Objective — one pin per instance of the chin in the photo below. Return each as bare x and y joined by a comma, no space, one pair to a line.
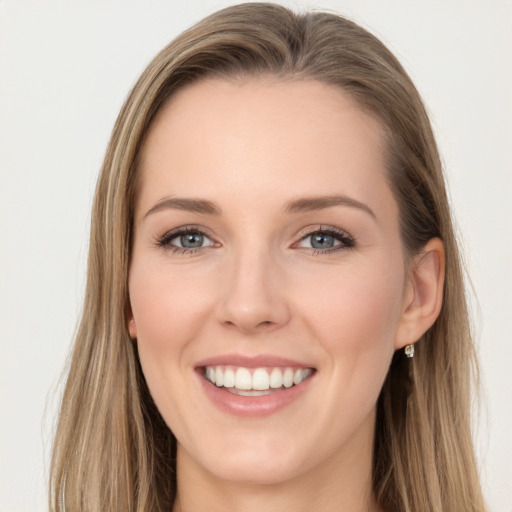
260,463
258,471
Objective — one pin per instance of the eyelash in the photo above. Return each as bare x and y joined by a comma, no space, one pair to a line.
347,241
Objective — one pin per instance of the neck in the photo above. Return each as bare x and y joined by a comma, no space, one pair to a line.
278,497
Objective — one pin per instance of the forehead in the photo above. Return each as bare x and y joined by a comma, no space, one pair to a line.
256,136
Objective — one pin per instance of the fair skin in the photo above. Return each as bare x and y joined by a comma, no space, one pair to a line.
264,271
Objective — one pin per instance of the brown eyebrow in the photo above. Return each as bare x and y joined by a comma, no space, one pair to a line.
308,204
189,205
305,204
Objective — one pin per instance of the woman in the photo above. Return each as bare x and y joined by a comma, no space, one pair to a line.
275,313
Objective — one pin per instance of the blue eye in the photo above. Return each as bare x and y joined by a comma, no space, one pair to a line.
322,241
190,240
326,240
185,240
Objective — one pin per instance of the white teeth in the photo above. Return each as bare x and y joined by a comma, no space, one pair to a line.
251,392
210,374
243,379
288,378
260,380
257,383
229,378
219,377
276,378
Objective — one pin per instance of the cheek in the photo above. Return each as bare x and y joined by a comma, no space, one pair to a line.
167,308
354,316
355,320
169,312
362,296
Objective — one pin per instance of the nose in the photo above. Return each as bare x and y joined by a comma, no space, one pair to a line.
253,294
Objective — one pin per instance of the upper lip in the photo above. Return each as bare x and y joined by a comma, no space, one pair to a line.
258,361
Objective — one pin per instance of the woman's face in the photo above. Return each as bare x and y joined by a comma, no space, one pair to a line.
266,249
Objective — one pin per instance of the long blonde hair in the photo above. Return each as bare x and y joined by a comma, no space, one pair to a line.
112,451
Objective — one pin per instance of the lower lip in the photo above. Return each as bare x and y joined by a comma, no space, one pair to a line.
253,406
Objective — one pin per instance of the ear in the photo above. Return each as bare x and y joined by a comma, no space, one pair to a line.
132,327
423,293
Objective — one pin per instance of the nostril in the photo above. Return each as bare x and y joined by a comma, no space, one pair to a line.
264,325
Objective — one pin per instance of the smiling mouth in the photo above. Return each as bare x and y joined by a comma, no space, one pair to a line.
255,381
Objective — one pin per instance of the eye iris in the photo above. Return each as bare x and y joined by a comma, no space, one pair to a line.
322,241
191,240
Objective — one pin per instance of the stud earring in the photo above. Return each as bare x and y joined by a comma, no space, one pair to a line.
409,351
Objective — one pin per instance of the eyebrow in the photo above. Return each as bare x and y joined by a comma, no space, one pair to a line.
309,204
305,204
189,205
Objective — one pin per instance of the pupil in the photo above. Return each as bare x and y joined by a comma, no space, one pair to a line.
191,240
321,241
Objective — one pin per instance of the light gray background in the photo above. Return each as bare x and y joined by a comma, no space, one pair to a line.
65,69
